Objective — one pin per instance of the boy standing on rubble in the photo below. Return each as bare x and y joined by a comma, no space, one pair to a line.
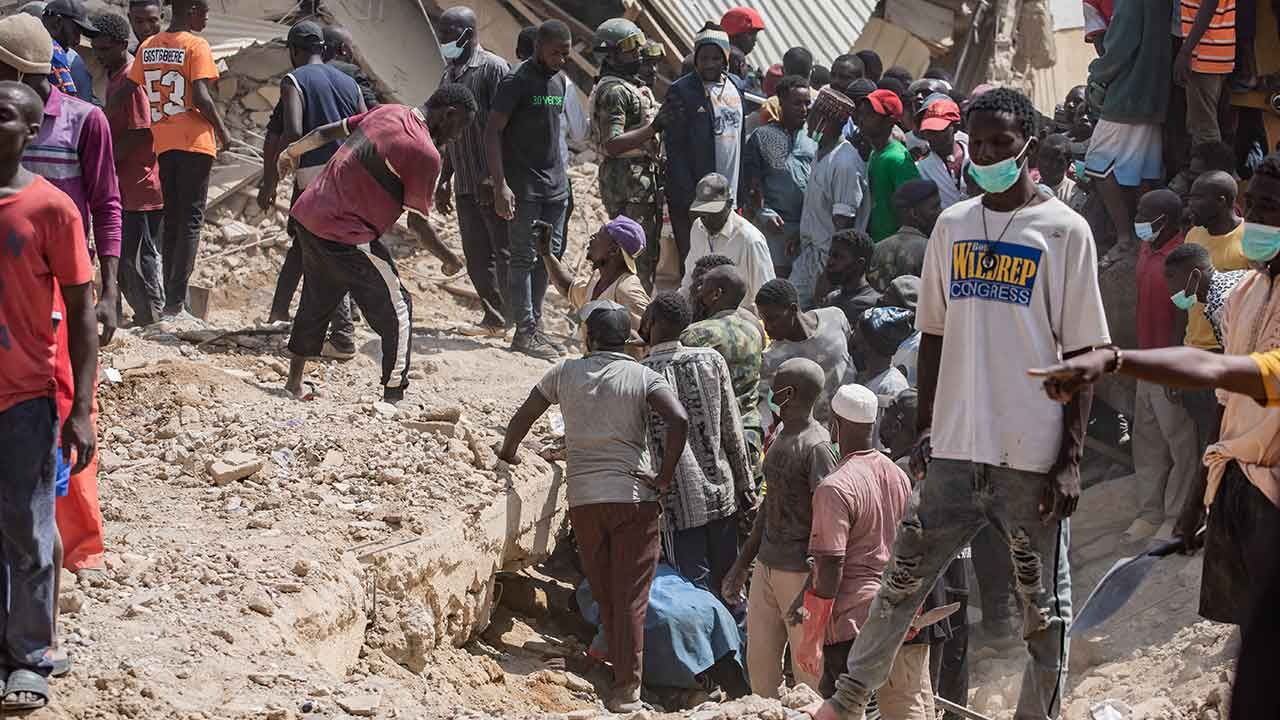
176,69
388,163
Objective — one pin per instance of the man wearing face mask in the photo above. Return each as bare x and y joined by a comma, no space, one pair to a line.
1192,281
625,124
718,230
1166,455
1009,278
1218,228
1241,489
466,174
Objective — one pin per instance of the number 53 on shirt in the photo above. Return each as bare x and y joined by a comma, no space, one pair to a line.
167,66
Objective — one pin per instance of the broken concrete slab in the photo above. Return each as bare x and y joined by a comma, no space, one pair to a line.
396,45
235,465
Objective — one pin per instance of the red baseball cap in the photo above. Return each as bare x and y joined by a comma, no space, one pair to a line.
940,115
887,103
741,20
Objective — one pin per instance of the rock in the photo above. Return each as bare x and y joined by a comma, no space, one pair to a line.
302,568
444,413
262,605
1158,708
67,579
360,705
169,430
256,102
577,683
391,476
227,87
134,611
188,416
447,429
260,118
223,633
270,93
239,233
235,465
385,410
261,63
412,640
799,697
333,460
70,603
263,680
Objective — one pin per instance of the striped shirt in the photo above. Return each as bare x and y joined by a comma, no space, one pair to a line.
1216,53
73,151
481,76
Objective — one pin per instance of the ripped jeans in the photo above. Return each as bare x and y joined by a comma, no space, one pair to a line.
956,500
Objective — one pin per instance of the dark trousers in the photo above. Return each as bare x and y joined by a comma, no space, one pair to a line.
1239,544
619,547
949,659
141,272
681,227
528,274
484,244
993,568
342,332
332,270
704,555
184,180
27,527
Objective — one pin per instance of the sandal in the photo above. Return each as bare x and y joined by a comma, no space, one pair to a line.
24,682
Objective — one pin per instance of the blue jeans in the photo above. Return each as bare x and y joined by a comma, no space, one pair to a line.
528,276
956,500
27,432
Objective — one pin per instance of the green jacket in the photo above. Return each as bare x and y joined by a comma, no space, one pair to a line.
1137,67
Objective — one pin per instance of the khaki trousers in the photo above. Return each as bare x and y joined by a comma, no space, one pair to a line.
771,596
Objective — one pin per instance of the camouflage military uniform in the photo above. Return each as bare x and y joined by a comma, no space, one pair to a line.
739,338
629,183
899,254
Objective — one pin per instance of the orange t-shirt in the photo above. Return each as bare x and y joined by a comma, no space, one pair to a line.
167,66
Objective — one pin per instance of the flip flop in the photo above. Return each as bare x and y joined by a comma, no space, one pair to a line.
25,681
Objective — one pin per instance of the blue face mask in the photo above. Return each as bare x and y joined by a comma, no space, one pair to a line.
452,51
1184,299
1146,231
1261,243
1000,176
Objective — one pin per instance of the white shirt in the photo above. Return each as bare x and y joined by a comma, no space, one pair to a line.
576,126
726,129
837,186
886,386
741,242
1038,300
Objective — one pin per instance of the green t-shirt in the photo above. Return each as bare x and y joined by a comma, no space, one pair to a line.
888,170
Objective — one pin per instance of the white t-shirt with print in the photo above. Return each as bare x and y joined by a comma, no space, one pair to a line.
1002,308
726,129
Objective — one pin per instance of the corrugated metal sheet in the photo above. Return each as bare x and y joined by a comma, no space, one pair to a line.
827,27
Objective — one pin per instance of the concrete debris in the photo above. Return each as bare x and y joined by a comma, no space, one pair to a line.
360,705
233,466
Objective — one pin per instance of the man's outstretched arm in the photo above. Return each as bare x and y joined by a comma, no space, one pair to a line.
1175,366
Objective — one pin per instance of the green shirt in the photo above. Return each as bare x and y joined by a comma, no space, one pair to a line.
888,170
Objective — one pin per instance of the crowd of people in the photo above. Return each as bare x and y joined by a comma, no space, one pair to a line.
859,372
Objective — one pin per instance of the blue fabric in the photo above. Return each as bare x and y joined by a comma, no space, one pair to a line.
82,78
686,630
691,150
328,95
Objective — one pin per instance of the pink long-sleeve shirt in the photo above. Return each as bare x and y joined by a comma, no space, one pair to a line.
73,151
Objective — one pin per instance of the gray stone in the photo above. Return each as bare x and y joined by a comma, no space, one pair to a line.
360,705
235,465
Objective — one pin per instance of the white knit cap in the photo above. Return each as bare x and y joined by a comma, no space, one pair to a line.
856,404
25,45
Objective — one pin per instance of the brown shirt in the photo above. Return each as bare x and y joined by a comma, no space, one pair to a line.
793,467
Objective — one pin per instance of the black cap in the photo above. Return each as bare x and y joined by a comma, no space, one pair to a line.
306,34
75,10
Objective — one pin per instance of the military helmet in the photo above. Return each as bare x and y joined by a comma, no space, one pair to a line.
618,34
653,51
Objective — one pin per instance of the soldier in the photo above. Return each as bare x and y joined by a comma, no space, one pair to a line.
625,123
652,54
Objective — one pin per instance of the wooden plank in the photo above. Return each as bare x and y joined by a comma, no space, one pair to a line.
895,46
639,14
549,9
533,18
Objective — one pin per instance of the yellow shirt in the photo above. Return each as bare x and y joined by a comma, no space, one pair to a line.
1269,366
1226,254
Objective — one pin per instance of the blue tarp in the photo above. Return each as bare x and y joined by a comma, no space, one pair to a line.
686,631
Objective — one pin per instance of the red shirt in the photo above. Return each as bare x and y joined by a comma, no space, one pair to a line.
42,246
387,165
1155,312
129,109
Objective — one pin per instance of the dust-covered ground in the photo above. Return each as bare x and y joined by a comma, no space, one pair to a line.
269,558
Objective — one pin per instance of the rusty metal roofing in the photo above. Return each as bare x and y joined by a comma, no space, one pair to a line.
827,27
